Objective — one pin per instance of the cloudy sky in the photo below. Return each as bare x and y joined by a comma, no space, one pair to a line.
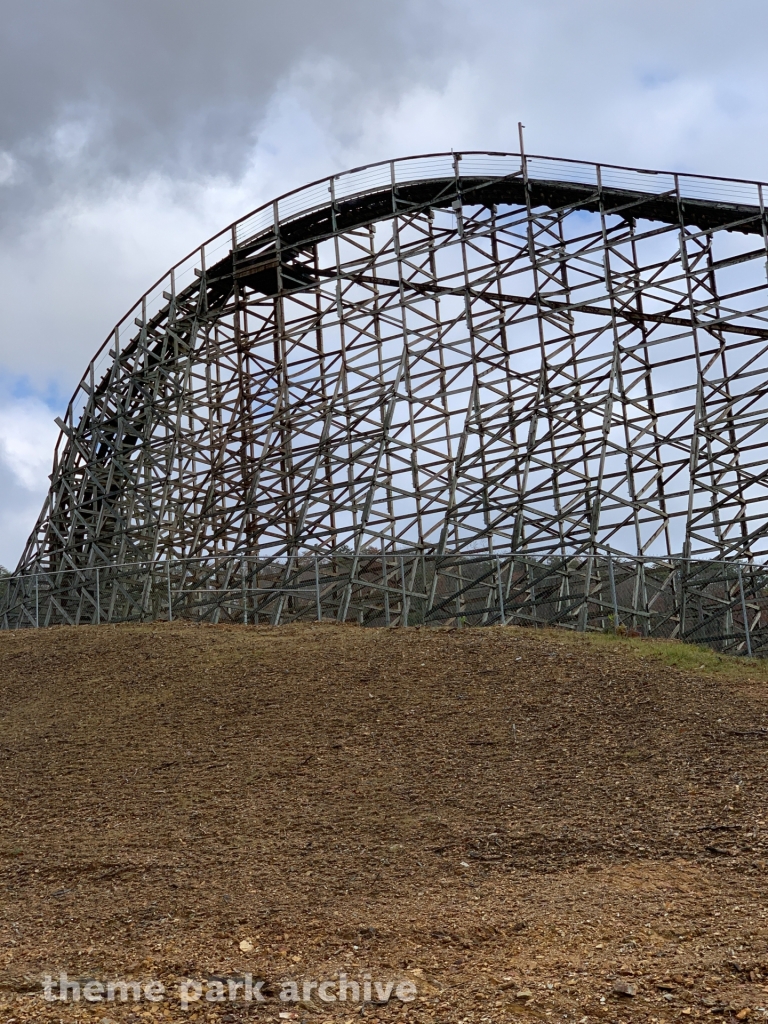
130,130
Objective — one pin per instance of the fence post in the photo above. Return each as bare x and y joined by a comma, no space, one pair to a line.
583,621
612,581
98,597
318,601
37,601
385,581
404,612
532,591
170,596
243,569
502,616
682,610
744,613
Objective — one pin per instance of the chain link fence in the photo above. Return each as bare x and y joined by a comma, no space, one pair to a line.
717,603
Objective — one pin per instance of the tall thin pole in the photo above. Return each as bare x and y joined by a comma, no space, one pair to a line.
245,590
170,597
502,616
404,613
318,601
584,610
37,602
747,637
385,592
612,582
682,576
98,597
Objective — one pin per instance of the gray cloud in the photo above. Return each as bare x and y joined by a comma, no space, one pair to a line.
181,85
132,129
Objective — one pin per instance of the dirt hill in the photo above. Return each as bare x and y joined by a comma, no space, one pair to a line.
523,825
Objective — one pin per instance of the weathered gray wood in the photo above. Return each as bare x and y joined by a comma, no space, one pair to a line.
472,352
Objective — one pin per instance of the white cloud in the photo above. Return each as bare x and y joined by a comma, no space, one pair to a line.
69,140
27,436
7,168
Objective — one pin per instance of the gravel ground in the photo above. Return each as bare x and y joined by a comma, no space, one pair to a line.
515,825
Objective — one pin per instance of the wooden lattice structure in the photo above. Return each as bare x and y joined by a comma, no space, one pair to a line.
458,353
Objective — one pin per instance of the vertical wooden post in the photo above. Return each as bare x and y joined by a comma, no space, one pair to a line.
243,584
612,583
502,616
747,637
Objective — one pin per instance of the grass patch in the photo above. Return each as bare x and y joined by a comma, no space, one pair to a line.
686,657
